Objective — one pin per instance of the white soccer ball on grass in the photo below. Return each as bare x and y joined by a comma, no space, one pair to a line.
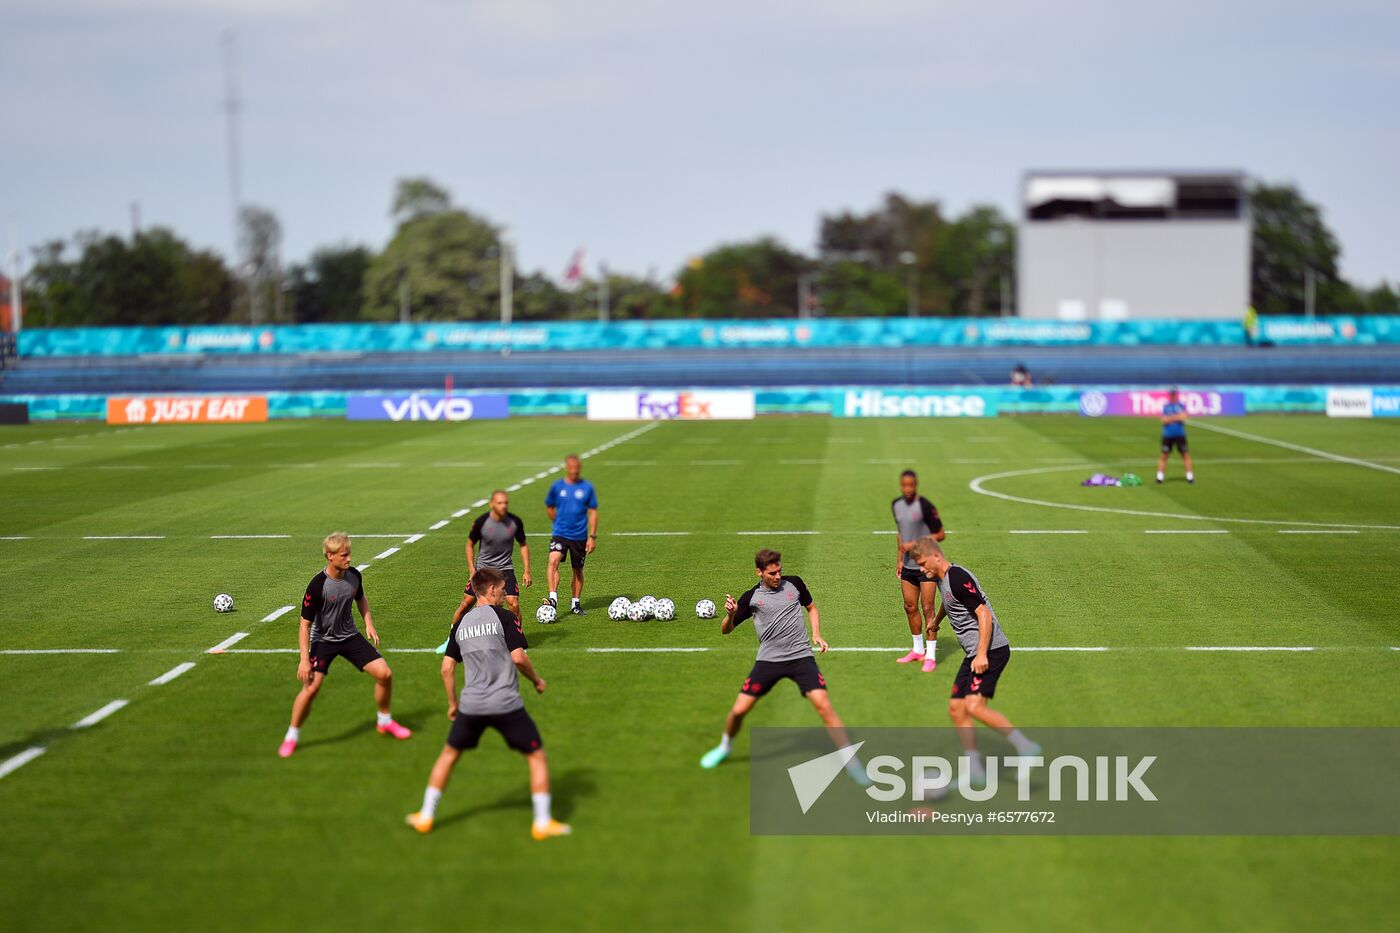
705,609
649,604
618,609
665,610
546,614
223,603
637,612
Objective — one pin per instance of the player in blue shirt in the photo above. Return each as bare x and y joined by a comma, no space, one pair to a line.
572,504
1174,435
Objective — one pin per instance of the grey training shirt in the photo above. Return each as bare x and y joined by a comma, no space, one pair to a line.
778,618
914,520
328,602
482,642
496,540
962,594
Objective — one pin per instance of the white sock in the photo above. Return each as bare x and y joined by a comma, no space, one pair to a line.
974,765
293,734
1161,476
919,644
431,796
932,646
554,595
1021,743
1190,475
574,601
541,802
724,742
383,719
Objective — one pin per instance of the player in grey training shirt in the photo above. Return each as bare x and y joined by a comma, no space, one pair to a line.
776,605
328,632
490,644
496,532
985,647
915,518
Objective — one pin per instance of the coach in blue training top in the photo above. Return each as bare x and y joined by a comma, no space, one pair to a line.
572,505
1174,435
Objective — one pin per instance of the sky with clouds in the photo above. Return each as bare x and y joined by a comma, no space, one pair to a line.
650,131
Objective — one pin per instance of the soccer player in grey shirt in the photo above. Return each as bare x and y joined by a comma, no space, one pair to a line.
986,651
490,644
328,632
776,605
496,532
915,517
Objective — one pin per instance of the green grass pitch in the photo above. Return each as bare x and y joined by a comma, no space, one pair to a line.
174,812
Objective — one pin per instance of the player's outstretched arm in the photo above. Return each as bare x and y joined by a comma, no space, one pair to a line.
449,680
526,667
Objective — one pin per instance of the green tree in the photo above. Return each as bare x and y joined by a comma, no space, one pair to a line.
449,258
1383,299
153,278
974,252
1290,238
330,286
754,279
847,287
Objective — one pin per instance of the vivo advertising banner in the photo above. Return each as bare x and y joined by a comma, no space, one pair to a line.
207,410
699,405
1363,402
911,403
426,407
1149,403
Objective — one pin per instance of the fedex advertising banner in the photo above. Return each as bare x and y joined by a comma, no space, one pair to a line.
699,405
207,410
426,407
1149,403
912,403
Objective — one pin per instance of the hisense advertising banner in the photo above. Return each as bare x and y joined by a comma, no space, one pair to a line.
912,403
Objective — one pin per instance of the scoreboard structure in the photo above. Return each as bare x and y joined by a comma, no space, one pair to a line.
1109,246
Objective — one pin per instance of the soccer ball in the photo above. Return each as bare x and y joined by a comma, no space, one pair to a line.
546,614
223,603
705,609
648,603
637,612
665,610
619,608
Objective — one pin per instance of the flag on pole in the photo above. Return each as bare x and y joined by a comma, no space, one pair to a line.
574,273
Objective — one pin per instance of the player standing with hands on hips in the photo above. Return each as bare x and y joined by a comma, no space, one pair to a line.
328,632
572,504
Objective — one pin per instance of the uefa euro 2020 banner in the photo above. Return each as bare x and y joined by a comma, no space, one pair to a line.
774,333
1149,403
649,405
426,407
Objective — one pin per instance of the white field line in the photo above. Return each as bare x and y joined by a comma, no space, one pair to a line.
224,645
171,674
1339,458
764,533
412,539
645,650
362,567
460,512
515,487
1186,531
123,537
978,485
400,537
15,538
475,505
1247,648
715,462
649,534
10,765
1318,531
93,718
276,614
802,462
1049,531
386,553
436,525
244,537
61,651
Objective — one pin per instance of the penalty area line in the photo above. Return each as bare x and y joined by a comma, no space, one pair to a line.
93,718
